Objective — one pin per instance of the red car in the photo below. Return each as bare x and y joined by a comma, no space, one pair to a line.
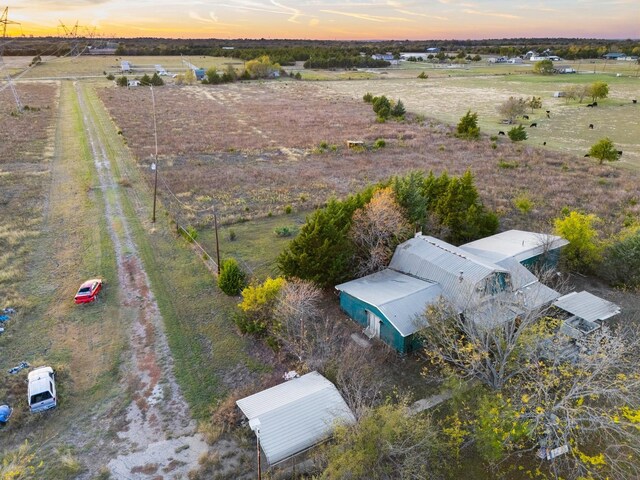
88,291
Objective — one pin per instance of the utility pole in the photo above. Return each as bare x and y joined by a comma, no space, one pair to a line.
155,136
215,224
258,449
4,21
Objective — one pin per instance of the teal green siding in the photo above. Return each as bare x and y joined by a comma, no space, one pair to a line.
548,260
357,310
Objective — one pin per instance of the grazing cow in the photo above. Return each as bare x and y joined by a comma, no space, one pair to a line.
634,101
526,117
533,125
591,126
619,153
544,143
587,155
589,104
500,132
594,104
548,111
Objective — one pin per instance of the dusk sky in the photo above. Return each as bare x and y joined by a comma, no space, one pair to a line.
331,19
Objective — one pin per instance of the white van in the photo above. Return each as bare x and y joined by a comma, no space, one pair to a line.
42,389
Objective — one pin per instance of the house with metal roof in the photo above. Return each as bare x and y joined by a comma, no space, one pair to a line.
486,287
292,417
528,248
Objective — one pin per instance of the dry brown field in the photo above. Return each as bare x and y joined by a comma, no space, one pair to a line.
24,177
250,149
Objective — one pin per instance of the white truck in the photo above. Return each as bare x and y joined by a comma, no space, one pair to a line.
42,389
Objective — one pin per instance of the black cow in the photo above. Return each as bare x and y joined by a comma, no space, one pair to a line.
533,125
544,143
526,117
595,104
634,101
619,153
589,104
548,111
587,155
500,132
591,126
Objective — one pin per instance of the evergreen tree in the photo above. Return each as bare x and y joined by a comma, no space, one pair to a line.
156,81
145,80
398,110
468,126
231,279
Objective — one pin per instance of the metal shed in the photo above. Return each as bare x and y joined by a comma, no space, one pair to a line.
587,306
294,416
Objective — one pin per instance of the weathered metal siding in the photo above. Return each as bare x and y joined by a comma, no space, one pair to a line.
357,310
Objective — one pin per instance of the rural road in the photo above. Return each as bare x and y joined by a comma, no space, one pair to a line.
159,439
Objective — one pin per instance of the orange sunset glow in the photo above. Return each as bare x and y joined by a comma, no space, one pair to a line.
329,19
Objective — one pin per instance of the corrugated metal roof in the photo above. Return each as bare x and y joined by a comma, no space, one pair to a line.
399,297
587,306
293,416
517,244
459,273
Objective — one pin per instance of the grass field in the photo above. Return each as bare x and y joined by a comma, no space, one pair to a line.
447,99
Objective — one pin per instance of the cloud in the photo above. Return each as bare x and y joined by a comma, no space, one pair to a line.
490,14
314,22
295,13
369,18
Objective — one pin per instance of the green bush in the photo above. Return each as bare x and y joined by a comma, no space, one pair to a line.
517,134
468,126
621,265
423,75
379,143
368,98
288,209
285,231
231,279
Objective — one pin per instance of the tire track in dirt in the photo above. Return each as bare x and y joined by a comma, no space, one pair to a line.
159,440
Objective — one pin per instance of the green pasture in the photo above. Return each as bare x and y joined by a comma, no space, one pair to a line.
566,129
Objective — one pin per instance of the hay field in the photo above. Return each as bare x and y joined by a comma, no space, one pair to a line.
251,149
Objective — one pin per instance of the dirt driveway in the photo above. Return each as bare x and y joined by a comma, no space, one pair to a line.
158,439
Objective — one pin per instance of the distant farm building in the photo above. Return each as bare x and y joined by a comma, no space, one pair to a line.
125,66
133,83
515,60
559,94
497,59
564,69
433,50
160,70
109,48
387,57
613,56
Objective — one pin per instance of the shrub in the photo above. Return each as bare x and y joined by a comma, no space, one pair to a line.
584,249
110,77
468,126
423,75
517,134
231,279
368,98
232,235
285,231
523,203
398,110
382,107
604,150
379,143
288,209
258,303
189,233
493,138
621,265
122,81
